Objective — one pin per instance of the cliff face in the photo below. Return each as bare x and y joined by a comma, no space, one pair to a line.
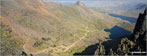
140,27
139,34
126,45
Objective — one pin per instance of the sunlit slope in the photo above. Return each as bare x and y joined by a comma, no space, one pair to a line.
54,28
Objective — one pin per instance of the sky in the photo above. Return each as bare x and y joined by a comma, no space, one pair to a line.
100,3
107,4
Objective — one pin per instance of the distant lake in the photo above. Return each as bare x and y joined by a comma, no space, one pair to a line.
117,32
130,19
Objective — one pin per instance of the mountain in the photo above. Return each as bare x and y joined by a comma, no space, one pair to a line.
141,6
79,3
129,8
54,29
124,46
134,11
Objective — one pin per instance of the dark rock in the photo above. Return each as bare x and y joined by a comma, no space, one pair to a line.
46,39
23,54
100,50
37,43
140,27
111,52
139,34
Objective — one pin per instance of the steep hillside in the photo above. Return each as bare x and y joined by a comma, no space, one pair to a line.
47,27
11,44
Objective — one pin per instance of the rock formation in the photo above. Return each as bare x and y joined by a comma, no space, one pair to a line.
139,34
100,50
79,3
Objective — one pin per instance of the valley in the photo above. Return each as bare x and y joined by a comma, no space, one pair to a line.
50,28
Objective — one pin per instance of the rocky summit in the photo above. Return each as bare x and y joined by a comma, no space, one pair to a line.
79,3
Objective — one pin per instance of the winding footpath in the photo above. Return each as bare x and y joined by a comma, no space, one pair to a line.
63,48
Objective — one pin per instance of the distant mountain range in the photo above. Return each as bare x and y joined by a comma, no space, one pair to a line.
130,9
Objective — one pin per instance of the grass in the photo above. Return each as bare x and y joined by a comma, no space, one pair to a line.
9,44
5,32
80,33
40,47
39,44
75,49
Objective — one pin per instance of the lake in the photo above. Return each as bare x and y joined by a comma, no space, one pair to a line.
117,32
130,19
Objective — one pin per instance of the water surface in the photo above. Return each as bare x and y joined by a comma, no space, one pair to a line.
117,32
130,19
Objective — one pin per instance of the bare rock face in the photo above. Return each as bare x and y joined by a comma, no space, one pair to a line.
100,50
125,46
136,42
140,27
139,34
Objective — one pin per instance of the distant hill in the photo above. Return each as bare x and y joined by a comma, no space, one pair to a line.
134,11
141,6
126,8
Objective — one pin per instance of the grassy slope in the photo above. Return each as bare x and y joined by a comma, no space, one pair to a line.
10,44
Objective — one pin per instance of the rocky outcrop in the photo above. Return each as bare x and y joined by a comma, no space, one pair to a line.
100,50
79,3
140,27
135,42
139,34
125,46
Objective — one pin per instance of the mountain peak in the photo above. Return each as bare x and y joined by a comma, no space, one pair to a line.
79,3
